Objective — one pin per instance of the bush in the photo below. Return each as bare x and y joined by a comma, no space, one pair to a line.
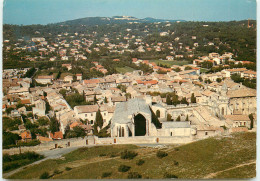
106,174
175,163
128,154
176,149
102,154
45,175
140,162
167,175
123,168
132,175
56,171
68,168
161,154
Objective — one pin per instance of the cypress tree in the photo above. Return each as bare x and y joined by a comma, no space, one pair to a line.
99,119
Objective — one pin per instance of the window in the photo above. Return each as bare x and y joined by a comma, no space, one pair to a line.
244,123
206,133
171,133
91,114
86,115
104,113
91,122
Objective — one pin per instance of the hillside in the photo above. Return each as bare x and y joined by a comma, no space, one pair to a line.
113,20
219,157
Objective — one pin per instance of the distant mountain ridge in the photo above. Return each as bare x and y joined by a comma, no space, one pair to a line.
112,20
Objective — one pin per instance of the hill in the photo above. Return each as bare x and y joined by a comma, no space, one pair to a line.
219,157
89,21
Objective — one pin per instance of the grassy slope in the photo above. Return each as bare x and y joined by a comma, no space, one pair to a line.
196,160
170,63
123,70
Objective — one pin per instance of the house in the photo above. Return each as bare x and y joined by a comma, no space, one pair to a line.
68,79
86,112
44,79
118,99
239,120
43,139
26,136
79,77
56,136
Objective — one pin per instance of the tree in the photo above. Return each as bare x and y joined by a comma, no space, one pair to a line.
193,98
169,117
168,100
80,132
54,125
188,68
128,96
158,113
95,99
187,118
178,118
219,80
184,101
251,117
105,100
200,79
99,119
63,92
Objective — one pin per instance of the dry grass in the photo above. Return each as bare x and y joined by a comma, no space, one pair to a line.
217,156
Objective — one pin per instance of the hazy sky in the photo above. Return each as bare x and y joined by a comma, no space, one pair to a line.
51,11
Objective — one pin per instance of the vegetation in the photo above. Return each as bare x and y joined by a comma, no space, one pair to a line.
11,162
45,175
161,154
140,162
128,154
134,175
191,161
123,168
106,174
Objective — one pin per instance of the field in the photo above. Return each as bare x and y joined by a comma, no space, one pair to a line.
220,157
123,70
170,63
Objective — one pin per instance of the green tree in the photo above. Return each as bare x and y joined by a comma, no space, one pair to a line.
193,98
99,119
158,113
219,80
187,118
105,100
251,117
168,100
169,117
54,125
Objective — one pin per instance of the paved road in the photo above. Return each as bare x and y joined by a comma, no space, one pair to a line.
49,154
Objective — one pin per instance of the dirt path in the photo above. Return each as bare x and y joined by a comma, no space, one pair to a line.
212,175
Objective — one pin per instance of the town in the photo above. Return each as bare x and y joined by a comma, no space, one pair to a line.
124,86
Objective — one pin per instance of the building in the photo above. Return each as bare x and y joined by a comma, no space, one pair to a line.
86,112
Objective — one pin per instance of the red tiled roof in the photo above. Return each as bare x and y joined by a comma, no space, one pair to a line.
57,135
26,101
26,135
91,81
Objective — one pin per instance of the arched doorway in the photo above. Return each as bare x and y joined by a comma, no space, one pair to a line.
140,125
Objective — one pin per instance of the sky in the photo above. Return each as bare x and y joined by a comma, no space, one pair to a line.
26,12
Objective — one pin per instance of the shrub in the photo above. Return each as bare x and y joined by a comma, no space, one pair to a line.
161,154
106,174
132,175
176,163
56,171
123,168
140,162
176,149
45,175
102,154
167,175
68,168
128,154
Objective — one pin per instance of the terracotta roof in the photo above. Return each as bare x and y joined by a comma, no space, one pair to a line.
75,124
237,117
118,99
26,101
41,138
237,70
239,129
45,77
87,108
245,92
26,135
57,135
92,81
